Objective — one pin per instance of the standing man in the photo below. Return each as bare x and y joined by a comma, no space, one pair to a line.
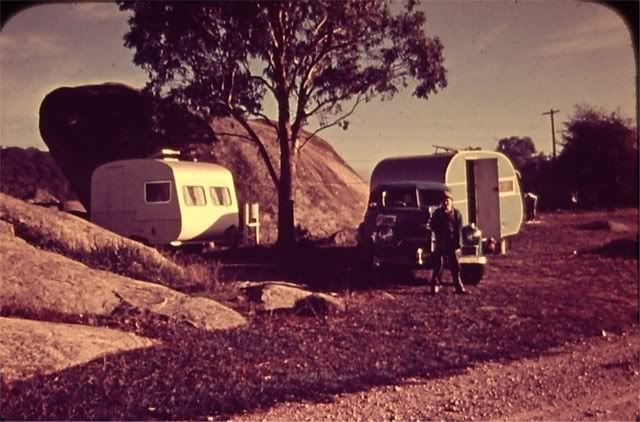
446,223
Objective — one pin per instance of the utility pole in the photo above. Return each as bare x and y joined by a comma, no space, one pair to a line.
551,112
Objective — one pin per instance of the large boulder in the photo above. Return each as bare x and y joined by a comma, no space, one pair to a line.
329,195
41,282
90,125
31,348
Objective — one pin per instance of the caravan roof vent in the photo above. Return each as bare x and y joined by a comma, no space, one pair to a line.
167,154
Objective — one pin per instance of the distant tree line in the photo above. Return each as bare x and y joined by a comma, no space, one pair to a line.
597,166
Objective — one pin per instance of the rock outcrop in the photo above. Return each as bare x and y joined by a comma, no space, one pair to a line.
37,281
274,296
80,240
31,348
87,126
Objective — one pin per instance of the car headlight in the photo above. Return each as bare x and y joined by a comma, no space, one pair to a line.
384,234
471,235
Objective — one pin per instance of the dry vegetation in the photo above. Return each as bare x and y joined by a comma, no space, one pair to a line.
569,278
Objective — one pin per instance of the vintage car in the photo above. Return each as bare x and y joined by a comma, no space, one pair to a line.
395,234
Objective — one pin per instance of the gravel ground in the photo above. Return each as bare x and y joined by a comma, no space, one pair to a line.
595,380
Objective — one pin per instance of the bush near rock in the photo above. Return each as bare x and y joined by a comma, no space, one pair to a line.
318,304
24,171
344,237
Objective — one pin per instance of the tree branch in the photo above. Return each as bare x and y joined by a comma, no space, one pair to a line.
265,119
335,122
236,135
262,150
331,101
257,78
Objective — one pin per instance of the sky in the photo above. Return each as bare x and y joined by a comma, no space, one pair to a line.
508,62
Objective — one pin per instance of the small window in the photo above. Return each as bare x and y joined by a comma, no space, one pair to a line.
157,192
505,186
194,195
220,197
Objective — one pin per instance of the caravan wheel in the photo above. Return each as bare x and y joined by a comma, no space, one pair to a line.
471,274
232,237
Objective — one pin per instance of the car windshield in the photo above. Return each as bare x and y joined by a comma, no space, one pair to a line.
400,198
430,197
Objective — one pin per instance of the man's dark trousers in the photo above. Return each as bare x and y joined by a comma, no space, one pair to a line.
450,258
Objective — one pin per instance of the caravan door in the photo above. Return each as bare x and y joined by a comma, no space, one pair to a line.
483,196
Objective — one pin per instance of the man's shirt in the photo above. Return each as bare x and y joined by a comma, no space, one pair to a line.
446,227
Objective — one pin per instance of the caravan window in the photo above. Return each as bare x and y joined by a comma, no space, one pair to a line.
505,186
194,195
157,192
220,196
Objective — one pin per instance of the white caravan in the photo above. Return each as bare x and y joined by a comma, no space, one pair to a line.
165,201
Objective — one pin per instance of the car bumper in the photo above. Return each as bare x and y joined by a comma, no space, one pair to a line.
417,258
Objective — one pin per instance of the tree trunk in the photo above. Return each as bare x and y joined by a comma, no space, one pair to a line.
286,191
286,187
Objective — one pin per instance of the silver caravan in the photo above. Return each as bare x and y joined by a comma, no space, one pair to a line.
484,184
404,191
165,201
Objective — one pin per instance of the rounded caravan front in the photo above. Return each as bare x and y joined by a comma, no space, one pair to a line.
165,201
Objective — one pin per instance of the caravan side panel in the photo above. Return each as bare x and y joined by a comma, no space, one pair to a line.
136,199
154,196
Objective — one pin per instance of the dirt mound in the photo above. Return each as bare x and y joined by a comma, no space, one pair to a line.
87,126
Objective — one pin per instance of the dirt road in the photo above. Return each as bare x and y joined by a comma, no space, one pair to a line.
594,380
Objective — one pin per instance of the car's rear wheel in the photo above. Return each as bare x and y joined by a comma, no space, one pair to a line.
471,274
